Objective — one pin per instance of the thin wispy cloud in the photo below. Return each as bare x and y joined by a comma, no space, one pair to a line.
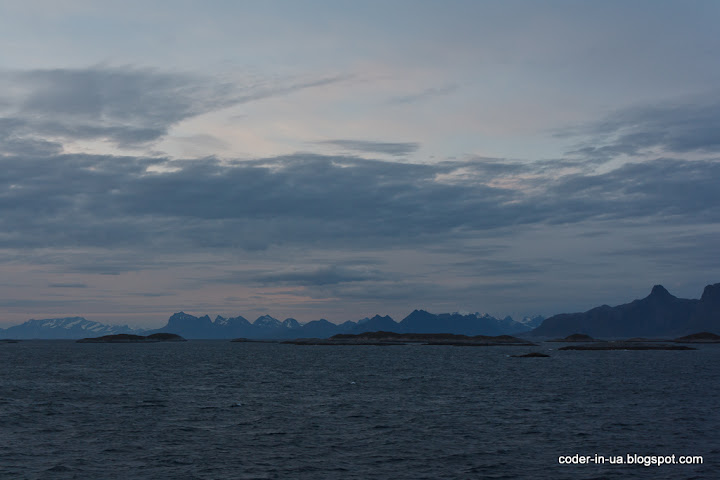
68,285
365,146
330,275
423,95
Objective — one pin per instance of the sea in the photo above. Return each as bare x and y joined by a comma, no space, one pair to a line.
222,410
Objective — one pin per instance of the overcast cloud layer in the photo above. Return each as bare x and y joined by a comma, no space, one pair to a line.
373,183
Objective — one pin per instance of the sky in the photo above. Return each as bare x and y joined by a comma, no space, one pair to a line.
338,159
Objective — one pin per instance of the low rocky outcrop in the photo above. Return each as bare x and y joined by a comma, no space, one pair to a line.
129,338
532,355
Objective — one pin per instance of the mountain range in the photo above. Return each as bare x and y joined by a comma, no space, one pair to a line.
267,327
660,314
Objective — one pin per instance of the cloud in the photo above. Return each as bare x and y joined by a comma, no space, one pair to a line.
329,275
365,146
114,202
13,143
128,106
674,251
33,304
262,91
423,292
68,285
484,267
423,95
678,128
77,200
664,188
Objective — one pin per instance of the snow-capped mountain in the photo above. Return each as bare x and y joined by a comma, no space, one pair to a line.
266,321
291,323
62,328
532,322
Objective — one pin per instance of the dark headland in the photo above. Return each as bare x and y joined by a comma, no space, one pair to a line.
128,338
391,338
660,314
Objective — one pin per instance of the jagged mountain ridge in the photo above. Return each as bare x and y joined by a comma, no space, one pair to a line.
267,327
660,314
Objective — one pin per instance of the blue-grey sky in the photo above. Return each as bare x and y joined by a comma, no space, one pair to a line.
337,159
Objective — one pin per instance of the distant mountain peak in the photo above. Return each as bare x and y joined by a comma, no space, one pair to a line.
291,323
267,321
420,314
660,292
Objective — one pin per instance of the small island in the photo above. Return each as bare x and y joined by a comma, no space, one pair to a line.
638,343
128,338
702,337
576,337
392,338
254,340
646,340
626,346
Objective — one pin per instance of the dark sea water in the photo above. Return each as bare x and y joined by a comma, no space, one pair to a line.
221,410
